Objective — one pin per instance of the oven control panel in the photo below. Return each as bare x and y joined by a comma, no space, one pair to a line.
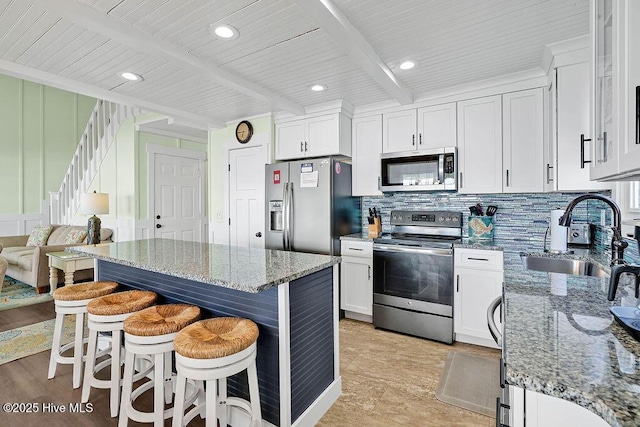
427,218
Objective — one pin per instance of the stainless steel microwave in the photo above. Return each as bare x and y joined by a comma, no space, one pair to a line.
426,170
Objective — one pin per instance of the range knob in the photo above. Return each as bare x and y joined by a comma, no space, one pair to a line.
575,234
441,218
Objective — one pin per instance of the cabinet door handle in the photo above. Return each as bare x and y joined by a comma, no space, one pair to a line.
478,259
549,179
507,177
301,146
637,114
305,146
460,186
413,139
355,249
369,267
457,283
420,138
582,160
604,148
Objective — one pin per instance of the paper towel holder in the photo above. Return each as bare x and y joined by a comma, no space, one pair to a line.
554,252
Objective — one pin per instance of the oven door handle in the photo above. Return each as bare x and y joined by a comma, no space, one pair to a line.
377,247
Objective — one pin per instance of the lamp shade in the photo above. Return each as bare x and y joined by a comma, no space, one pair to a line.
94,203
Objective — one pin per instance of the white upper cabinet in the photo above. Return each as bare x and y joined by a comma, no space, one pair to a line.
419,129
570,124
629,149
480,145
500,143
399,131
606,57
437,126
325,135
522,124
366,147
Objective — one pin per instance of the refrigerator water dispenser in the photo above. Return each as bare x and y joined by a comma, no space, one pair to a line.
275,215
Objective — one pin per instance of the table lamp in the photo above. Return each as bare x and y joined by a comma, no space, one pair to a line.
92,204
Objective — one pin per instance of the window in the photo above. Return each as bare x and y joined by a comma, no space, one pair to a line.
633,194
629,202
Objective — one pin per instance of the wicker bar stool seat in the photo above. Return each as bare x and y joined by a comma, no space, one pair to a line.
107,314
150,332
212,350
73,299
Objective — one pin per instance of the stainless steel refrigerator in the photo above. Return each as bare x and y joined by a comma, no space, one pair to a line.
309,205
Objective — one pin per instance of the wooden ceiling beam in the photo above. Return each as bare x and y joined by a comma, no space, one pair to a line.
353,43
96,21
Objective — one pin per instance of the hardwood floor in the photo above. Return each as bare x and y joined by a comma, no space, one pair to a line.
388,379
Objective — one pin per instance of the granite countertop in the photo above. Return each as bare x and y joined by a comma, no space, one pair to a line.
245,269
561,339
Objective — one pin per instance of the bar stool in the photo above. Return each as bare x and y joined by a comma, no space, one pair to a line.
151,332
107,314
212,350
73,299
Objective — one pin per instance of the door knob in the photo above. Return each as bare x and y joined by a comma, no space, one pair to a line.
258,234
157,216
158,226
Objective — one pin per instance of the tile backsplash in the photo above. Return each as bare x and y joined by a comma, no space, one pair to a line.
521,220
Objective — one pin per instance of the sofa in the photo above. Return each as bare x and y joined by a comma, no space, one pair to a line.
31,265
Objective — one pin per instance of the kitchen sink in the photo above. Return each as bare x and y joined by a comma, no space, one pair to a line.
578,267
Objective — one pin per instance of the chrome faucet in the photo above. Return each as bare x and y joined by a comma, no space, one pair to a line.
618,244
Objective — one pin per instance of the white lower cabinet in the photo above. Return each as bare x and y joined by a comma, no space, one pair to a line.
478,281
356,279
532,409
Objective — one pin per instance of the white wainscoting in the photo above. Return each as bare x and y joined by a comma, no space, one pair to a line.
20,224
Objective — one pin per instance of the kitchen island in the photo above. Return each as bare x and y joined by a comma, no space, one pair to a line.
292,297
561,340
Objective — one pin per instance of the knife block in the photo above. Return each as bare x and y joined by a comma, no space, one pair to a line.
375,229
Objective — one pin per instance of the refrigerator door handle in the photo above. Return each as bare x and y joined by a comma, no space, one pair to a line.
290,224
284,216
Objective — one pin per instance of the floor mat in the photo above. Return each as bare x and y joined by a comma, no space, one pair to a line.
470,382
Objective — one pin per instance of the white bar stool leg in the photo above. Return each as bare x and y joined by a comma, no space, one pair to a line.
55,346
127,387
115,372
211,403
178,406
78,350
168,372
89,365
158,390
222,402
254,395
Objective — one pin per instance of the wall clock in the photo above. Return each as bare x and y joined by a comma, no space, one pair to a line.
244,132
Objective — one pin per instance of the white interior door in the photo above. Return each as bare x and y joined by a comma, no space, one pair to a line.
246,197
178,206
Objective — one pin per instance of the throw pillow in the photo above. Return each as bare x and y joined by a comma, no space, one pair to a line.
75,236
39,235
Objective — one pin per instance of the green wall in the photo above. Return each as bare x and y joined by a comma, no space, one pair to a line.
40,128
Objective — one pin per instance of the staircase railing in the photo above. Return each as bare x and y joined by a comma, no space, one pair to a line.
98,135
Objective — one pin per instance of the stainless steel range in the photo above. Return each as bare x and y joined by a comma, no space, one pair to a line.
413,274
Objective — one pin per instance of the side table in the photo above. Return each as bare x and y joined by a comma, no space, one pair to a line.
68,263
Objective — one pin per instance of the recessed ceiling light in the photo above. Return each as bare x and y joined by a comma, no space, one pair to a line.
318,88
407,65
224,31
131,76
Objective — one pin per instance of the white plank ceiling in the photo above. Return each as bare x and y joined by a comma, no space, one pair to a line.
351,46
